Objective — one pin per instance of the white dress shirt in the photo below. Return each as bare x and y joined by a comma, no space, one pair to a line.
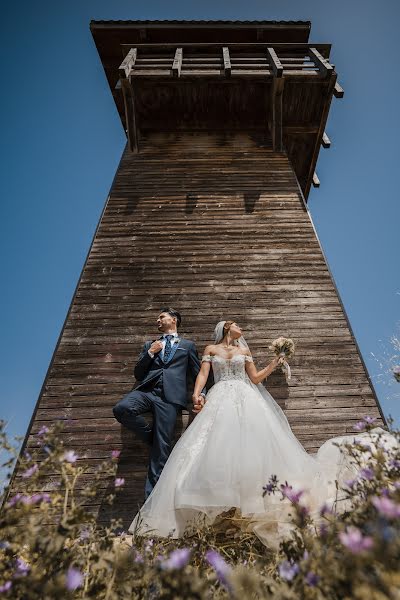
163,341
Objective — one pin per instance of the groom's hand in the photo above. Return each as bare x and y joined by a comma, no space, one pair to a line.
155,347
198,403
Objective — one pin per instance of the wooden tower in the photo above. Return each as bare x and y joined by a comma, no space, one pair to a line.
207,213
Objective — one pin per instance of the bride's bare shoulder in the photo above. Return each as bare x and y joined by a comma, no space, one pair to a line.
210,349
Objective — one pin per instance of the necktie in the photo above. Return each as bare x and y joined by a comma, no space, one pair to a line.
168,347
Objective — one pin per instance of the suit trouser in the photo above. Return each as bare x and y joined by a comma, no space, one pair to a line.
159,436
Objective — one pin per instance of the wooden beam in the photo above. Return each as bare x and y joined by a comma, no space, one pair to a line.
325,68
274,62
130,115
338,91
326,142
227,62
315,180
177,64
128,63
277,112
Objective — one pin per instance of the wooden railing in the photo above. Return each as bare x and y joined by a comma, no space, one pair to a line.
233,60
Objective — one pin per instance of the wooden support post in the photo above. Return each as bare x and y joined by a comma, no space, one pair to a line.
315,180
277,113
128,63
177,64
274,62
338,91
227,62
326,142
323,64
130,115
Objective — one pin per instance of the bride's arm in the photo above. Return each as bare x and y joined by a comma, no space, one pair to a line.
201,378
258,376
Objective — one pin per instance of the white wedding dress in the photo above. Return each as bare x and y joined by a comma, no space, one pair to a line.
235,444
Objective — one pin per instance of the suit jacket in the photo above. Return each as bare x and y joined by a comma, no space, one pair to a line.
182,361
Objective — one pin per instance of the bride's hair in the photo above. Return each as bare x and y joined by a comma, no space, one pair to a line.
227,326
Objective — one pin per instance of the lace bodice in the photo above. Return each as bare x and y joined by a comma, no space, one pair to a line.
228,368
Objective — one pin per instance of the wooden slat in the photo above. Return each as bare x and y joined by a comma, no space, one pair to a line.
177,64
227,61
326,142
316,182
274,62
338,91
128,63
325,68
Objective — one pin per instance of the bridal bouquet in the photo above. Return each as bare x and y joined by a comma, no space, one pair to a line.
283,347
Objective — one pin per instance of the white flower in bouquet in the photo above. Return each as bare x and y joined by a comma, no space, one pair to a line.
283,347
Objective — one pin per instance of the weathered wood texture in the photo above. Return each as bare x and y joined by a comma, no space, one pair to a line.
214,225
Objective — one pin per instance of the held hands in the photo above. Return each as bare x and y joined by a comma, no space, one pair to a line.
156,347
198,403
278,360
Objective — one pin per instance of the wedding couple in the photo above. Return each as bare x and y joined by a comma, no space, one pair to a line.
239,438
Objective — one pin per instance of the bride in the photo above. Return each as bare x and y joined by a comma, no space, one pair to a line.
238,440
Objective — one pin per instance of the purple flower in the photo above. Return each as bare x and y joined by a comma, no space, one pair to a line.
360,426
270,487
138,557
323,529
350,483
312,579
22,568
386,507
37,497
115,453
74,579
43,430
84,534
13,501
5,587
178,559
367,473
119,482
305,555
354,540
30,472
70,456
395,463
325,509
220,566
288,569
291,494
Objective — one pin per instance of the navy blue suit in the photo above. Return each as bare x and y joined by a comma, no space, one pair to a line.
161,390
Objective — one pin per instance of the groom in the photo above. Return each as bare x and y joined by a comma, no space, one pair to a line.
161,372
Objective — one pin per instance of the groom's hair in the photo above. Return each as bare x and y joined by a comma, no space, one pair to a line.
173,313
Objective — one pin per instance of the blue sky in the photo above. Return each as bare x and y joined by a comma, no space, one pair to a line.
62,140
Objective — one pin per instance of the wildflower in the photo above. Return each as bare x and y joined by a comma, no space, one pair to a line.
5,587
312,579
74,579
323,529
115,454
367,473
70,456
354,540
288,569
350,483
119,482
325,509
270,487
291,494
220,566
386,507
138,557
30,472
22,568
43,430
178,559
15,499
305,555
84,534
395,463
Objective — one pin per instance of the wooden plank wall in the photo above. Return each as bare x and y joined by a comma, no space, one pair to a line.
213,225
